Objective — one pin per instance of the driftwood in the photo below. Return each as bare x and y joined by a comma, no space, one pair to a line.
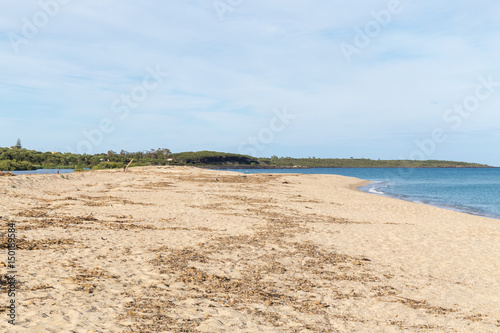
126,168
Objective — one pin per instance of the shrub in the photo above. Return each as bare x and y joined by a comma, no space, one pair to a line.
7,165
108,165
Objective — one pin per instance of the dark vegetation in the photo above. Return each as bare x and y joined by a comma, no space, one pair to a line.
213,158
14,158
362,163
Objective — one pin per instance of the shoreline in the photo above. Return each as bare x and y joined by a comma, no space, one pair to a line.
260,167
180,248
458,209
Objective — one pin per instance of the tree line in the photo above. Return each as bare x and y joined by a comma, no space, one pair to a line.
23,159
16,158
313,162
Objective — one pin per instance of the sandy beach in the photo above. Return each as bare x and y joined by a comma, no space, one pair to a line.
179,249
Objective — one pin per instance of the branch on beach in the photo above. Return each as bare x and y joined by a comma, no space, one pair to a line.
126,168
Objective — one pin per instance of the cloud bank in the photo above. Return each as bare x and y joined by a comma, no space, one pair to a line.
361,79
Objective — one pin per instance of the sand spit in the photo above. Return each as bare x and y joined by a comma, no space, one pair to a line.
181,249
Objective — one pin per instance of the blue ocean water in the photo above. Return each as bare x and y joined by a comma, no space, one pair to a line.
470,190
42,171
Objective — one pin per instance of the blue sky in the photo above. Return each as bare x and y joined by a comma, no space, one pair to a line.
371,79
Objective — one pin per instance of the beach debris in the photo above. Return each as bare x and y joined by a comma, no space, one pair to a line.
22,243
125,167
266,272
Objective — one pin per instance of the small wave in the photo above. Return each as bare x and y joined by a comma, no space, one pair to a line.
375,187
375,190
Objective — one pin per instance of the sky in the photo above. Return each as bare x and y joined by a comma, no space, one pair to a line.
396,79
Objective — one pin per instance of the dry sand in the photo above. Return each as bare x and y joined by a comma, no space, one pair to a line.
182,249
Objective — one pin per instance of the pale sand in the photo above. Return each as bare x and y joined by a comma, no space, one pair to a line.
184,249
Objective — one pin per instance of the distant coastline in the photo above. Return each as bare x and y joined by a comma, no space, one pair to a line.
18,159
273,167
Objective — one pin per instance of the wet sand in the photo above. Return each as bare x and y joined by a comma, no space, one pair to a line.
163,249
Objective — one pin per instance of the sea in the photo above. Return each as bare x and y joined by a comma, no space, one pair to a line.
470,190
42,171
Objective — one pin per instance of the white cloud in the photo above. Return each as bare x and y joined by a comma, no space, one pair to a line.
227,76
